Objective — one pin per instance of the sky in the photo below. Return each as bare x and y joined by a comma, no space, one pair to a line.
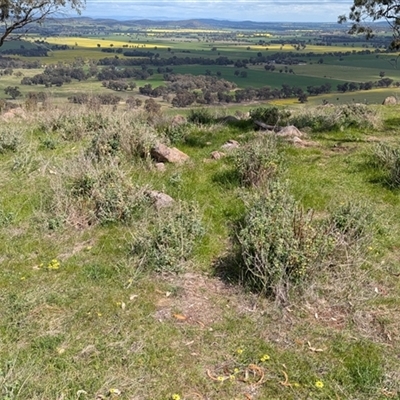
234,10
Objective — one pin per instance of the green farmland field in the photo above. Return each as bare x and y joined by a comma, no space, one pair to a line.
315,65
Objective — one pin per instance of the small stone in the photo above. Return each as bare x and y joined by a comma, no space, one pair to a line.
217,155
160,199
230,145
160,166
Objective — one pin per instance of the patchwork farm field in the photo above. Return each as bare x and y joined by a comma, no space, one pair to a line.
301,59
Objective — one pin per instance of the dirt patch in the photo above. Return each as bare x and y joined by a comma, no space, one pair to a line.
87,245
342,148
198,299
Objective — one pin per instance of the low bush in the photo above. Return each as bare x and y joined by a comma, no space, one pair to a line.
177,134
86,193
73,126
200,116
170,238
351,224
258,161
280,244
386,157
278,241
270,115
125,137
10,138
323,119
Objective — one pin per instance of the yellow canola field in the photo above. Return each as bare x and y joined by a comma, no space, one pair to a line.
93,42
309,48
191,30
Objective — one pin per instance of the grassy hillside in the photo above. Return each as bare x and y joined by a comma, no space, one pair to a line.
235,291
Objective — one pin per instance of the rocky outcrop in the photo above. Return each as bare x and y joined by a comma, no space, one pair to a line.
390,100
178,120
289,131
160,199
14,113
163,153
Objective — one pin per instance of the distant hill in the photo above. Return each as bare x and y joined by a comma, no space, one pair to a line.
199,23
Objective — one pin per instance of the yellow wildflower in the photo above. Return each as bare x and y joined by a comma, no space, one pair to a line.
265,357
175,396
53,264
239,351
319,384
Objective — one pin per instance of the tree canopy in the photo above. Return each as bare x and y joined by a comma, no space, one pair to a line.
17,14
363,12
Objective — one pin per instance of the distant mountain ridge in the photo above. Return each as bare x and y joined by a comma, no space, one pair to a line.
199,23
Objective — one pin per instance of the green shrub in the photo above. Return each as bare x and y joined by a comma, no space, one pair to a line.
86,193
351,223
278,242
73,126
124,137
325,119
177,134
270,115
10,138
386,157
258,161
170,238
200,116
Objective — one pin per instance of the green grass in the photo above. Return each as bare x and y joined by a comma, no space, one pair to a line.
102,321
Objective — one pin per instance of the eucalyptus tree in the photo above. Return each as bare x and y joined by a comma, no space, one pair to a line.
364,12
15,15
